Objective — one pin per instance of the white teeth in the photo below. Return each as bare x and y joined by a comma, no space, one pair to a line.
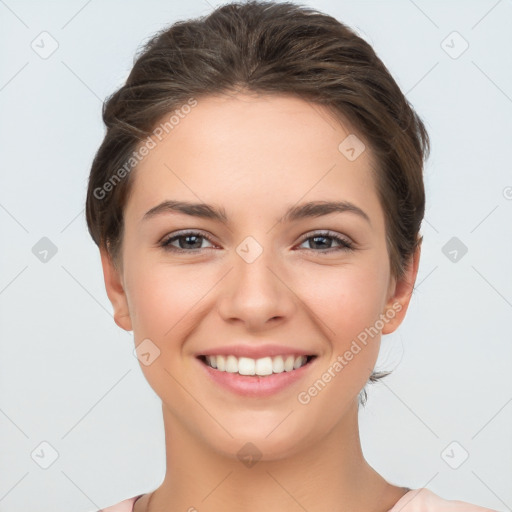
221,363
288,363
263,366
299,362
231,364
246,366
278,364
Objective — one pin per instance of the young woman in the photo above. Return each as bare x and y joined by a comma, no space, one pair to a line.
257,202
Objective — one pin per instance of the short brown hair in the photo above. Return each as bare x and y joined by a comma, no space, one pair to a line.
266,47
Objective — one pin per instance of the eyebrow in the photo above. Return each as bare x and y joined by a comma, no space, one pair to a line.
294,213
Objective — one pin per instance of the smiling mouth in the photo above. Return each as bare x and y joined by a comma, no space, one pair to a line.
261,367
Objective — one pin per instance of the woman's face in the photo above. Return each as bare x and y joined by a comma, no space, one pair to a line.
259,274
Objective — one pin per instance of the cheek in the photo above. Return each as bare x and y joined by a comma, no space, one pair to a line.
348,302
165,302
345,299
160,296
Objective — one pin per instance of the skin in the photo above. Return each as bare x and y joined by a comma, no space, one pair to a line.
255,156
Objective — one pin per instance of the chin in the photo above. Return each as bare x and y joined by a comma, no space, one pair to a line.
263,440
250,451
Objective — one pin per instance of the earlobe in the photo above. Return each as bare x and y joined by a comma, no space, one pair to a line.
397,304
115,291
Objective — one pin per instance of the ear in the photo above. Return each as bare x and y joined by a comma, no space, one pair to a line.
115,291
400,294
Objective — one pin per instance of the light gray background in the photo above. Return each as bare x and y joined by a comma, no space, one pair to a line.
68,375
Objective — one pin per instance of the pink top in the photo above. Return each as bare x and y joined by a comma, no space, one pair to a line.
418,500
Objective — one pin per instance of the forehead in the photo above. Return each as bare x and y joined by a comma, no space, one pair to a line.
248,150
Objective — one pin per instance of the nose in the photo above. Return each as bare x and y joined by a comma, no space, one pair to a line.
256,293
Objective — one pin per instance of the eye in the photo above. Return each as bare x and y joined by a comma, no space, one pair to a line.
191,241
186,240
324,240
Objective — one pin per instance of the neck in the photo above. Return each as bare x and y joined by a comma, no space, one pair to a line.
330,475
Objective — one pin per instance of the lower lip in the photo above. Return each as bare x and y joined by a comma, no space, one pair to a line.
254,385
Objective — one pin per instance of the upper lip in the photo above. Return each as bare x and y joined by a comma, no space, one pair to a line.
255,351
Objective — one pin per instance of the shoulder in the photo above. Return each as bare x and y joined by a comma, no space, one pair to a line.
123,506
424,500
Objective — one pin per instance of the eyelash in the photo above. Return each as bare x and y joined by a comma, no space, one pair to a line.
345,244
